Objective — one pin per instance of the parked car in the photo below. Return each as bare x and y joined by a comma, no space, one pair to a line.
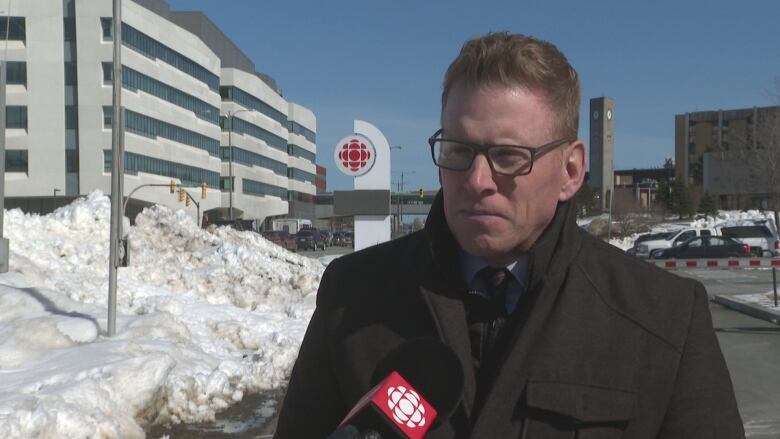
647,237
348,239
644,249
705,247
761,240
327,238
338,238
282,239
309,239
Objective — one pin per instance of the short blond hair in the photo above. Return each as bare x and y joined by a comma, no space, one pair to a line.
503,59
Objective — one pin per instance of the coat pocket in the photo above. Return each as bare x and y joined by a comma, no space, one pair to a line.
576,411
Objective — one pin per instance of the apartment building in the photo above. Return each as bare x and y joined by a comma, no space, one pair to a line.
725,152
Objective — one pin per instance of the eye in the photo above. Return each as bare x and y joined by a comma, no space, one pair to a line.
455,149
509,155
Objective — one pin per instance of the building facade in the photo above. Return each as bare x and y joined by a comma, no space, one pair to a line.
729,153
196,110
602,147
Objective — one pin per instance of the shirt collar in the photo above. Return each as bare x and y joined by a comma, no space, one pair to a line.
471,265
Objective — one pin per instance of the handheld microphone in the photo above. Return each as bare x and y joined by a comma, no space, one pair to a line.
419,385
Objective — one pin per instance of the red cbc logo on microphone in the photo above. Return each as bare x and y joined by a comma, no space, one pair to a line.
406,407
355,155
411,413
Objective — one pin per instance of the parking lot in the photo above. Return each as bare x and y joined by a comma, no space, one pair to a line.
751,348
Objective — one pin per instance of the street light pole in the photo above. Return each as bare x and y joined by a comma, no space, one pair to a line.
230,116
398,197
117,171
400,203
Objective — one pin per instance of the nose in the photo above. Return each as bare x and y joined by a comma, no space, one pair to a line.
480,176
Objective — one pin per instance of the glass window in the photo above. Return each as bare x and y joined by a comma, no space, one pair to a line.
134,80
108,72
250,158
15,160
152,48
189,175
105,24
16,116
241,126
251,187
235,94
69,28
71,160
301,175
16,72
71,117
14,27
108,116
296,151
143,125
71,74
297,128
224,183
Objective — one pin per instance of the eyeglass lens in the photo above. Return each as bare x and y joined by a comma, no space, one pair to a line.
459,156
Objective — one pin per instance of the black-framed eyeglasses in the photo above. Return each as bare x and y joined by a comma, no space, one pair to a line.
511,160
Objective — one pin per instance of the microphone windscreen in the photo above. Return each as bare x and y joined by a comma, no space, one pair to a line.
432,368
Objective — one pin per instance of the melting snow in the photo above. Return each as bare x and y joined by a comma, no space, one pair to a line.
203,318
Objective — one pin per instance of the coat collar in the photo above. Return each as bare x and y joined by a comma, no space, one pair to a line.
442,285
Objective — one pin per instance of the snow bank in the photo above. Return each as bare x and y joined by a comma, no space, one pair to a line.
203,318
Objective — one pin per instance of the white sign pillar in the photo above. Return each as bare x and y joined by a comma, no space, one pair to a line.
373,229
365,155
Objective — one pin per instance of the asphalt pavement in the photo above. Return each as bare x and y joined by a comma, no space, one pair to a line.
750,346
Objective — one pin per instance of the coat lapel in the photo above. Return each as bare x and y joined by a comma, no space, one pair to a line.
549,261
442,287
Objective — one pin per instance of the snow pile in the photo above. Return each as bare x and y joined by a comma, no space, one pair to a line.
203,317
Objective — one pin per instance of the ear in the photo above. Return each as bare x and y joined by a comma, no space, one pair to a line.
573,169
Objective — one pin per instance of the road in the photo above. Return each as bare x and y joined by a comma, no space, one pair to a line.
751,348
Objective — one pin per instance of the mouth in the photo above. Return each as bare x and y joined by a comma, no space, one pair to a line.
481,213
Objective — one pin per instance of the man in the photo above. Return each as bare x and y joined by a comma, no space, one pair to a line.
560,335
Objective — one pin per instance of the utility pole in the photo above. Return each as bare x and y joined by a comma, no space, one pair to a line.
4,243
117,171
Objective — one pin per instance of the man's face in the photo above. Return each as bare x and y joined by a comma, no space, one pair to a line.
495,216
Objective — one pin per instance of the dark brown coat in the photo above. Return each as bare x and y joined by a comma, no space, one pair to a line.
603,345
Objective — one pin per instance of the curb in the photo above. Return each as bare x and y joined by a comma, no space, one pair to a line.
759,312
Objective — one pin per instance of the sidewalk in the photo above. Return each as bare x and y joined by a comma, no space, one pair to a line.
758,305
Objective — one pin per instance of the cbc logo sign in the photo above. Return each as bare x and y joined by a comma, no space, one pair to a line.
406,407
354,155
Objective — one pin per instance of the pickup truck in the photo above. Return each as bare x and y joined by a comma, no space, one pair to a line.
760,238
645,248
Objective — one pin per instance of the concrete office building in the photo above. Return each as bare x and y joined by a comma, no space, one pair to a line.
725,152
180,74
602,146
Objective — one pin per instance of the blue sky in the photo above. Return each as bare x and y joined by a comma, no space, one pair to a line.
383,62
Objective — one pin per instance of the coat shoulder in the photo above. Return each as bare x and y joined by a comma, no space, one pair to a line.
347,278
658,301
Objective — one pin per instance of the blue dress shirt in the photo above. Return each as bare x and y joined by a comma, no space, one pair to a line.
471,265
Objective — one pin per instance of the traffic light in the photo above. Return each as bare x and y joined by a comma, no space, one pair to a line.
422,193
173,186
203,188
181,195
187,202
